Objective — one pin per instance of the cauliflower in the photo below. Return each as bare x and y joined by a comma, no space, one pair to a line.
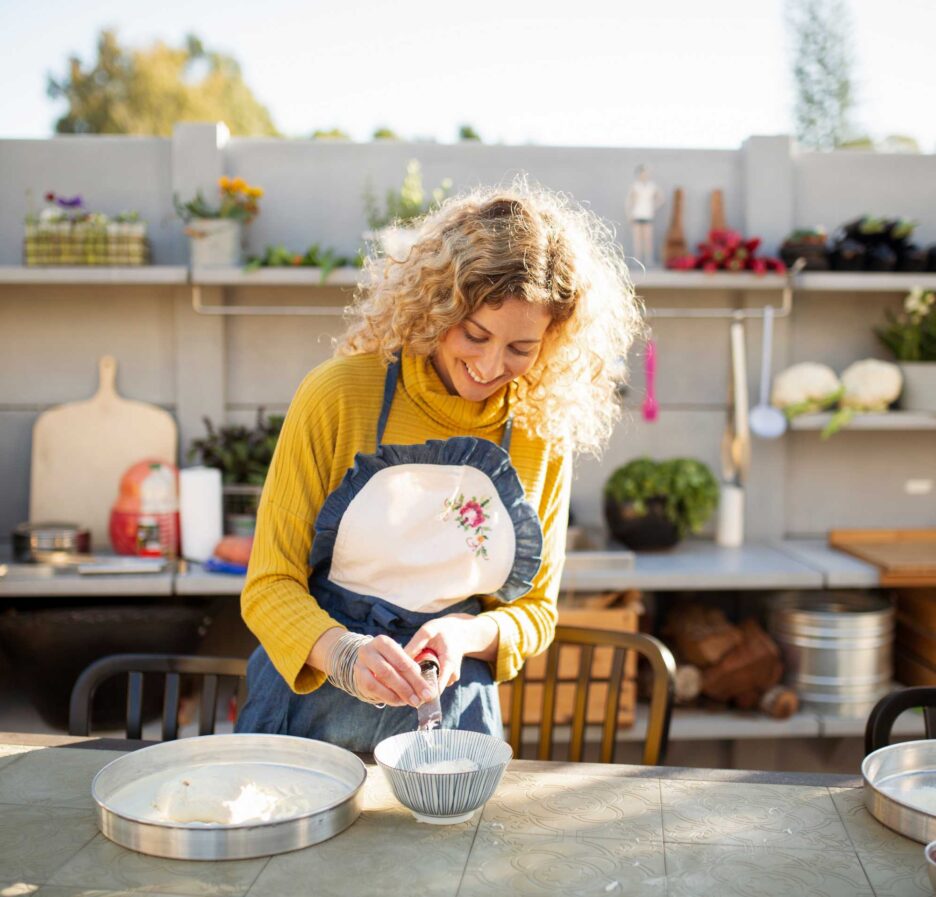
871,385
805,388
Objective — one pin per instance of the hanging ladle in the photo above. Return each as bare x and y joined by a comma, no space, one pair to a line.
766,421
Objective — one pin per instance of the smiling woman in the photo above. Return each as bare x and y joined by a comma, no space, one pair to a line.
419,493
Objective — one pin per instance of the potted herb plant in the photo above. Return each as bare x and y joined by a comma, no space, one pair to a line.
911,337
650,505
392,226
243,456
216,231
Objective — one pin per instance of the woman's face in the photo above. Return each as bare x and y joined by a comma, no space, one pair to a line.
491,347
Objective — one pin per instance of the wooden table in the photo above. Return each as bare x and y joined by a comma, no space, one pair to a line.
551,828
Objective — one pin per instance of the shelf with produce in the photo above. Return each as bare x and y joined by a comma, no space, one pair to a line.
79,275
890,420
304,276
865,281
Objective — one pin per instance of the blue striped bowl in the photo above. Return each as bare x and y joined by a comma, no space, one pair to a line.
442,797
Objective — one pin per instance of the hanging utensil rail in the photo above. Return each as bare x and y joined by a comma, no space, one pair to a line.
319,310
737,314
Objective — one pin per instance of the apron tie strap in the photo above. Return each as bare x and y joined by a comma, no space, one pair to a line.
390,383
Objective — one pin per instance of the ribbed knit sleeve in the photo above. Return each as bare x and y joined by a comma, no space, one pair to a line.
275,602
527,626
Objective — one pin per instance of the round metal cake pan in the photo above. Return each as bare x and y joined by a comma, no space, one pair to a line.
228,842
910,765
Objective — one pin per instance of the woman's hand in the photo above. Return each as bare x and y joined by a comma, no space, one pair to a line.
454,637
385,674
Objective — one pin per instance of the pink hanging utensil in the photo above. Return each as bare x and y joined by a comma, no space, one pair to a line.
651,408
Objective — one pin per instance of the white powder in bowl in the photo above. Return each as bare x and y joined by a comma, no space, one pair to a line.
449,766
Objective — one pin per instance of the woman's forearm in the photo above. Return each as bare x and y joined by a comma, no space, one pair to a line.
482,638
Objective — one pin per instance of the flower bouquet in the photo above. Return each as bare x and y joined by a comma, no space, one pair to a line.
216,231
910,334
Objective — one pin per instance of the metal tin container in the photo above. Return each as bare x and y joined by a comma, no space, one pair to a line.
33,540
199,841
898,782
837,649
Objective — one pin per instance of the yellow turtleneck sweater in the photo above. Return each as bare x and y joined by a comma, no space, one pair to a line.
333,415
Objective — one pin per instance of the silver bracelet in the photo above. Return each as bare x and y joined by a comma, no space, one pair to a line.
341,662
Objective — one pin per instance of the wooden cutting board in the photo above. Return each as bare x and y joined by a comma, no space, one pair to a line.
80,451
906,557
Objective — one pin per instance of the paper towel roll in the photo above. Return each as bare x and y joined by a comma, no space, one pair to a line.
200,511
730,532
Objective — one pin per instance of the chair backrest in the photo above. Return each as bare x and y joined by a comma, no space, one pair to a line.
664,676
885,712
208,670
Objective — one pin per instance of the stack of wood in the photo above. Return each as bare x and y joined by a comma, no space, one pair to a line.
738,665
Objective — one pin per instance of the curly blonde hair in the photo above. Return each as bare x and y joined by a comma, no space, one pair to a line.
526,242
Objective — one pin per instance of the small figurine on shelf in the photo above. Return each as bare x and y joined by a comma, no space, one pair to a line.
643,201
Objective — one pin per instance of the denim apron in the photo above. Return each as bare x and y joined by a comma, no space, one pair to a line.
332,715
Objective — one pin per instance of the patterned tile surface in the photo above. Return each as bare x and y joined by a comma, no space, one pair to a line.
576,806
751,815
54,777
59,891
895,865
694,869
103,865
35,841
537,865
379,857
543,833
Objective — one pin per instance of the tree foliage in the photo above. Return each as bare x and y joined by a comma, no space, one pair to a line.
330,134
147,91
822,71
467,132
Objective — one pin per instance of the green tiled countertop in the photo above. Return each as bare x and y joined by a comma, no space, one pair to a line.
551,828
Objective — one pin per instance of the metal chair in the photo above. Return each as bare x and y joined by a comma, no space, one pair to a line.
208,669
885,712
664,676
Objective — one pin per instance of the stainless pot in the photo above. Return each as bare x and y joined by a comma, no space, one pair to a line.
34,542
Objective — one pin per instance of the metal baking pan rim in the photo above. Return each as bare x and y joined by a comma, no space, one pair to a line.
218,826
889,797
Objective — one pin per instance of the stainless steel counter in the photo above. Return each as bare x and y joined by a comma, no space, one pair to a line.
695,564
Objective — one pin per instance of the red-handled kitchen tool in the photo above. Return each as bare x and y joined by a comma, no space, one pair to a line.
650,406
429,712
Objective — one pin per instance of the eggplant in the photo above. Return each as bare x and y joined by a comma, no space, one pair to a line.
848,255
880,257
911,258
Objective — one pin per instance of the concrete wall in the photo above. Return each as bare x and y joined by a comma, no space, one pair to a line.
226,368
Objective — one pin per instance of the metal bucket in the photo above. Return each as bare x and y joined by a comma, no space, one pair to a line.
837,649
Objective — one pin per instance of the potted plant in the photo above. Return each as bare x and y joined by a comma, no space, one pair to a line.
650,505
392,226
243,456
216,231
911,337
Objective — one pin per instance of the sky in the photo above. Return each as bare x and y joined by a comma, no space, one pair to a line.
654,73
